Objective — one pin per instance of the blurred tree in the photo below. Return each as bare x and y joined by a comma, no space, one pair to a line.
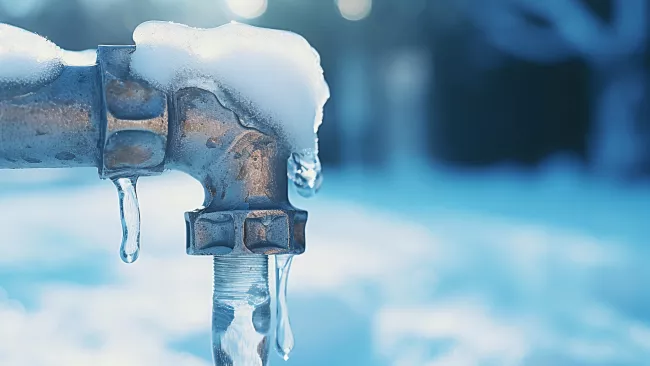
554,30
405,72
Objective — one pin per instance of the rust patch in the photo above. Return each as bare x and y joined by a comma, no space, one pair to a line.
128,89
127,156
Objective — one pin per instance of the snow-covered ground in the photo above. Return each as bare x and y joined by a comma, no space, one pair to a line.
437,268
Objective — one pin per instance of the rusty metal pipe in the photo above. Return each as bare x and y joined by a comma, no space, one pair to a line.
104,116
54,125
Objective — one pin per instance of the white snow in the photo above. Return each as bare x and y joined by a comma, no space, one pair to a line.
79,58
273,75
26,57
490,270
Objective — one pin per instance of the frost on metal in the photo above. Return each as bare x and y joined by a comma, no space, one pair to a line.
269,76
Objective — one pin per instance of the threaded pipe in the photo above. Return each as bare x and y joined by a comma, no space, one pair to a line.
241,312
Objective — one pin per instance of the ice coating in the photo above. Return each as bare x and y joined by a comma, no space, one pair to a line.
26,57
273,75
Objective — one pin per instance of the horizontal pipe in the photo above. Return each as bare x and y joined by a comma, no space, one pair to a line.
56,125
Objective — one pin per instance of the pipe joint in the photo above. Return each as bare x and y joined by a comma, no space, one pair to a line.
135,116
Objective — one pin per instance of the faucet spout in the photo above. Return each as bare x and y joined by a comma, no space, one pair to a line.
244,174
243,170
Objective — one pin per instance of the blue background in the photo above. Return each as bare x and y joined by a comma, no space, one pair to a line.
486,198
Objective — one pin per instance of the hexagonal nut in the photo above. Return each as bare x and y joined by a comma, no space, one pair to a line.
240,232
136,127
275,231
214,235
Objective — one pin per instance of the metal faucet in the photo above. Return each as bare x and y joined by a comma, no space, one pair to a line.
104,116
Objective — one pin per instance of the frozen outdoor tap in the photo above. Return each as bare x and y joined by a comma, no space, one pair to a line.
236,107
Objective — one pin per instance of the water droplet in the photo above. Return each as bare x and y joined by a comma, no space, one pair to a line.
304,170
284,340
130,216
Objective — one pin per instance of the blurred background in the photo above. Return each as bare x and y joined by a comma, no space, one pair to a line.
486,197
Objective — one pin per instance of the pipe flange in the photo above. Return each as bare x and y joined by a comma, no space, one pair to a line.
135,128
241,232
